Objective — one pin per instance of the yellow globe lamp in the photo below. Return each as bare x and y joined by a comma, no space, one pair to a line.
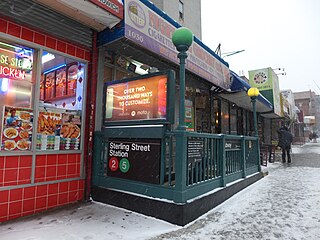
253,92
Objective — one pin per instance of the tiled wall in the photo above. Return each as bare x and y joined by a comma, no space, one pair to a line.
15,170
20,202
33,198
62,169
43,39
57,167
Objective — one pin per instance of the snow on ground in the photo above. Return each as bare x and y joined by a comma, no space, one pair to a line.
283,205
91,221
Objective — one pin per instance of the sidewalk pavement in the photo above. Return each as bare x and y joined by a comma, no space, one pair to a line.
283,205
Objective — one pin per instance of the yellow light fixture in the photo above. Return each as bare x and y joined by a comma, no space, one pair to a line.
253,92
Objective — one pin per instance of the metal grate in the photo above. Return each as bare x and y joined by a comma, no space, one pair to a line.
40,17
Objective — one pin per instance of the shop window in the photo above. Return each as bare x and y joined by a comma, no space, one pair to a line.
202,103
16,96
216,116
189,114
225,117
240,122
61,102
233,119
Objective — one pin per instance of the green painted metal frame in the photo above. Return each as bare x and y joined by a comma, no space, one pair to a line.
179,181
177,189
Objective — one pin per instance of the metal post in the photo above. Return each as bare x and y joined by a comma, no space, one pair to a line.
182,38
253,93
253,100
182,56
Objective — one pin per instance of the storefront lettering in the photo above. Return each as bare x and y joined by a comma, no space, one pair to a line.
109,5
202,54
160,30
160,25
11,67
12,72
13,62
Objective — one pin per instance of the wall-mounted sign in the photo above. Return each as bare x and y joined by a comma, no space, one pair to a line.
148,29
135,159
232,145
266,80
195,150
113,6
141,99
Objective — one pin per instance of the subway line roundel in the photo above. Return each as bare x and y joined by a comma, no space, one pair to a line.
135,159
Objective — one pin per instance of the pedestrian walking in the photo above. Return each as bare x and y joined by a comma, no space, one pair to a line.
285,140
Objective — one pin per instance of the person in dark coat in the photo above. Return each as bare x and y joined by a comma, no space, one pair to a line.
285,140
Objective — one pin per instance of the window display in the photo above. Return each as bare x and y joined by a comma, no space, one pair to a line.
61,95
17,129
16,87
60,82
58,130
59,118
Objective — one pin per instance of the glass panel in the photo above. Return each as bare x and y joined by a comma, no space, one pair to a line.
60,106
144,98
16,96
224,117
203,112
215,117
233,119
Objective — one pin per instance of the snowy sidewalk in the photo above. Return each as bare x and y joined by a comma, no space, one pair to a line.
283,205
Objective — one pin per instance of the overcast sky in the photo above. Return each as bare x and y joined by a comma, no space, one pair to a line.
274,33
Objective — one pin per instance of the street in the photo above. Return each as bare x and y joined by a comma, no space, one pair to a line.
283,205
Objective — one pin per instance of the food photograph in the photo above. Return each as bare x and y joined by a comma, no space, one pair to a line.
16,136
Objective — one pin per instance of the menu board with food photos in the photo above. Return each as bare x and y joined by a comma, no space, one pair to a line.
16,129
61,82
72,79
49,123
58,131
42,82
70,131
49,85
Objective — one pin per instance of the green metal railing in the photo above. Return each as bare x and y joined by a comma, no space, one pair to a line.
192,164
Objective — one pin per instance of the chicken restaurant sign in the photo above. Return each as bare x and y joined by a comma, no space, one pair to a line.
148,29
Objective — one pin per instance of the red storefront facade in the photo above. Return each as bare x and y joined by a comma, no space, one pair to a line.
26,187
47,164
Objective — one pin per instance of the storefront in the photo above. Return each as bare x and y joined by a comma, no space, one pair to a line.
137,145
46,73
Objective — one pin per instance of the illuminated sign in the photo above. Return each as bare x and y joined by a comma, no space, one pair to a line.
14,65
12,72
141,99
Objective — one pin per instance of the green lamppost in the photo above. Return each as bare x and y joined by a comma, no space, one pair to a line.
253,94
182,38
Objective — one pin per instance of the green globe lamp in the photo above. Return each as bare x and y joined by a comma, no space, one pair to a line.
182,38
